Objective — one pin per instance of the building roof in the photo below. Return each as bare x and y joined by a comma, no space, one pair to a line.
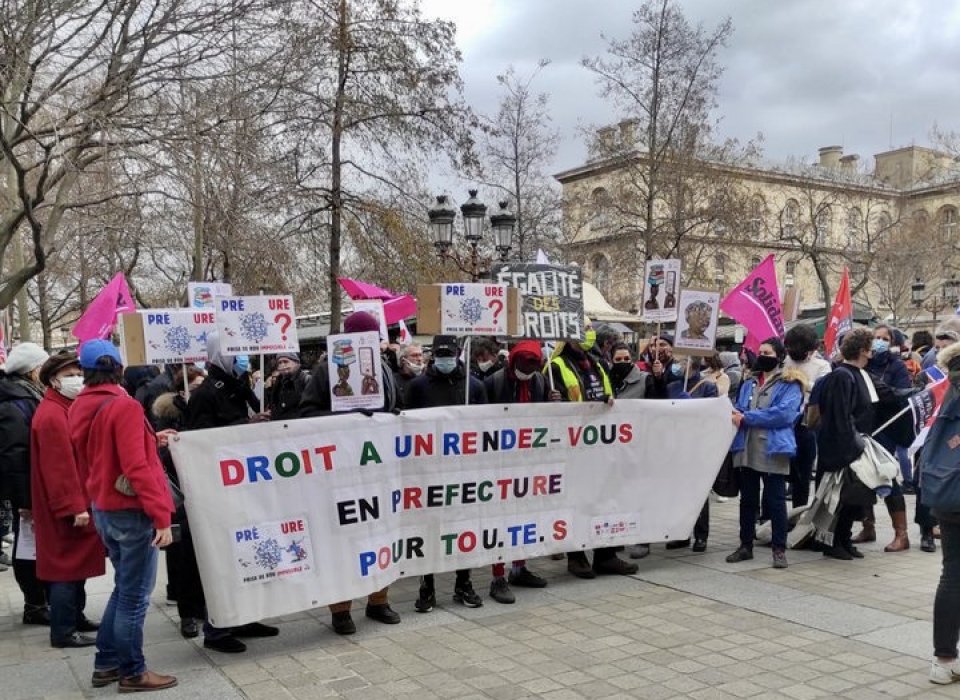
599,309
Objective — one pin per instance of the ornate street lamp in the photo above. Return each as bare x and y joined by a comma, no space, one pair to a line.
473,211
503,224
442,215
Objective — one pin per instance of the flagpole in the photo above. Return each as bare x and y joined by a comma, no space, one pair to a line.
466,365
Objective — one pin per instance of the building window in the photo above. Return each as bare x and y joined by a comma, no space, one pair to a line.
601,208
920,220
601,273
824,223
754,261
948,222
790,276
791,267
791,218
755,215
855,227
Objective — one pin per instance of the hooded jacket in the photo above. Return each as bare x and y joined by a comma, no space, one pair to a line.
283,397
778,418
941,462
503,386
18,403
222,399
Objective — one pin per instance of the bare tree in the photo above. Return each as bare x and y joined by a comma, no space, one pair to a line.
76,79
663,79
517,150
373,88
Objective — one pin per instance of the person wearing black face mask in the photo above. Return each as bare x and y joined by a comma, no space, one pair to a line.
767,408
801,343
628,380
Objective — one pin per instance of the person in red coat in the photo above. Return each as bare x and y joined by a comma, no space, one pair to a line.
69,551
132,508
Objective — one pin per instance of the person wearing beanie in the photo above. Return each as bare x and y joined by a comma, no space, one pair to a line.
69,551
316,402
116,448
521,381
282,399
444,383
20,394
223,398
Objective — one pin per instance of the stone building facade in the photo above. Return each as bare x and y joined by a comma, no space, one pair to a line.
893,224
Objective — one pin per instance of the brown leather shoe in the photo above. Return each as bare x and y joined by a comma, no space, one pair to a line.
145,682
101,679
901,542
867,534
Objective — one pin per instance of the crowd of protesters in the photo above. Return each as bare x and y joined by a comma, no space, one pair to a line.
84,461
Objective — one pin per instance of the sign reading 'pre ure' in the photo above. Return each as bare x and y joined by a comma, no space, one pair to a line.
261,324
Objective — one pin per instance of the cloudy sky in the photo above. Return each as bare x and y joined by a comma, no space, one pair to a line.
804,73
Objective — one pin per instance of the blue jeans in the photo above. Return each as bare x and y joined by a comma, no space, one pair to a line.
128,536
67,600
774,505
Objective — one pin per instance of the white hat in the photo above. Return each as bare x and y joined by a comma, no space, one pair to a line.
25,358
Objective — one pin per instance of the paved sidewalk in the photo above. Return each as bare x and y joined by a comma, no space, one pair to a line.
686,626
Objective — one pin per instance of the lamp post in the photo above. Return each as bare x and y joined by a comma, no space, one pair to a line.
442,217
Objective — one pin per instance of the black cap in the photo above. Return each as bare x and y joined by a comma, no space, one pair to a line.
445,343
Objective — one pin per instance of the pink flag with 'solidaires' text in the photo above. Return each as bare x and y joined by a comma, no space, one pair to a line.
100,316
755,303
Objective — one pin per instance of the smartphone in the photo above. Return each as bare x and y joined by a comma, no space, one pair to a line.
366,362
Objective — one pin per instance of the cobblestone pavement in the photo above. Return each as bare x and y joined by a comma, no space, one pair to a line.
686,626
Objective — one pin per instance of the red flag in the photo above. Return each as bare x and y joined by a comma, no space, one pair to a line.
926,404
841,316
100,317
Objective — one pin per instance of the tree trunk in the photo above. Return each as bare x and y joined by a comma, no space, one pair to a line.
336,193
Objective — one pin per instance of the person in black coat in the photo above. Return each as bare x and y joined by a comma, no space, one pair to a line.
316,402
445,384
282,399
20,394
224,398
845,400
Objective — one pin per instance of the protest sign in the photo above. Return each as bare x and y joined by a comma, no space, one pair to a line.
661,284
374,307
356,380
697,322
261,324
173,336
203,295
456,308
292,516
552,307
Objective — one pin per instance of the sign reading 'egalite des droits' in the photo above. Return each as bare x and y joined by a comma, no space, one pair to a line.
552,296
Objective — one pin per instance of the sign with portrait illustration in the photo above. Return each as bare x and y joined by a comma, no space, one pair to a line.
356,374
552,295
699,311
661,285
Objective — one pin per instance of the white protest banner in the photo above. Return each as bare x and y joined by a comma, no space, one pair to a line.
661,285
552,299
473,309
173,336
355,371
203,295
262,324
287,517
374,307
697,322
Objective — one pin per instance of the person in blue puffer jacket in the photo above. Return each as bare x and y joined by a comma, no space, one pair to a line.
767,408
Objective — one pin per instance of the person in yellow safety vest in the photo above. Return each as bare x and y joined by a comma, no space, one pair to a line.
579,377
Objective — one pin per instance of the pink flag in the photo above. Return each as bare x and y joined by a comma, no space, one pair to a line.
101,316
3,336
755,303
395,306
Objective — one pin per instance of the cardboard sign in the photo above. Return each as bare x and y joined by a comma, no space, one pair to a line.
374,307
661,285
697,322
430,305
552,307
262,324
356,374
203,295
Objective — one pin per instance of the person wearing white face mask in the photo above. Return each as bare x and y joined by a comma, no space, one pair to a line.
69,551
410,358
485,357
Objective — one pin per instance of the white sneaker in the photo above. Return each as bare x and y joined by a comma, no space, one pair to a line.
944,674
